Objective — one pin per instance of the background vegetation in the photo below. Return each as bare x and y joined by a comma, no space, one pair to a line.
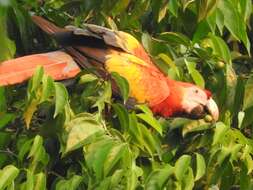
71,135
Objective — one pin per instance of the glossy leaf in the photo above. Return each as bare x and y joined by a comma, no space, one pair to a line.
5,119
81,131
122,84
173,7
149,119
175,38
200,166
236,25
7,175
122,115
7,47
181,166
61,98
40,181
248,94
70,184
241,115
219,133
196,76
115,154
2,100
220,48
169,61
158,178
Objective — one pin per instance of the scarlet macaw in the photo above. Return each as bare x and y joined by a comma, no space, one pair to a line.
112,51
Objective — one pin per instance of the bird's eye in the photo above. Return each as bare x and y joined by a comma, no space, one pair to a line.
196,91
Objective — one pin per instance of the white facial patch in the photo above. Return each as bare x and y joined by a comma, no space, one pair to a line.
193,97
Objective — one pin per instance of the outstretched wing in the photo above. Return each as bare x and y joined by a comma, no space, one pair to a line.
117,39
93,36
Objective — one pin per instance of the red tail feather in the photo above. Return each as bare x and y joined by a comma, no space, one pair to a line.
58,65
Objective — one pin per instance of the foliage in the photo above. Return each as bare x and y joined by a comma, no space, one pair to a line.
77,135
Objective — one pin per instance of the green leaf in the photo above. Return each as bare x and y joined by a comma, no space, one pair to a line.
245,9
115,154
3,104
202,30
37,154
194,126
116,178
122,115
181,166
136,133
189,180
47,88
61,98
248,94
144,108
162,11
219,20
110,23
150,120
148,140
7,47
96,155
231,82
120,6
147,42
26,146
175,38
100,157
5,119
173,7
196,76
220,48
33,95
28,114
200,166
220,131
71,184
37,143
81,131
36,79
122,84
186,3
241,115
5,138
105,97
236,25
245,179
29,184
40,181
87,78
205,8
170,62
249,164
157,179
7,175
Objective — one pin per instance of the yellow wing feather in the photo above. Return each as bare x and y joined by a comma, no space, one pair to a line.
146,85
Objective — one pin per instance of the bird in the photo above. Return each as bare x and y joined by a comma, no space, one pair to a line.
109,51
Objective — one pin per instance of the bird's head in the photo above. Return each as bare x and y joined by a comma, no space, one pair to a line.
188,100
197,102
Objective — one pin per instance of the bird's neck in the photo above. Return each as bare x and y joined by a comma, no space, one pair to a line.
172,104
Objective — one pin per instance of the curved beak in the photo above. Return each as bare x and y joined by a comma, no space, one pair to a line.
213,109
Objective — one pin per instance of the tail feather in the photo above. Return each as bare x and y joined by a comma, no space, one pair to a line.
58,65
47,26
